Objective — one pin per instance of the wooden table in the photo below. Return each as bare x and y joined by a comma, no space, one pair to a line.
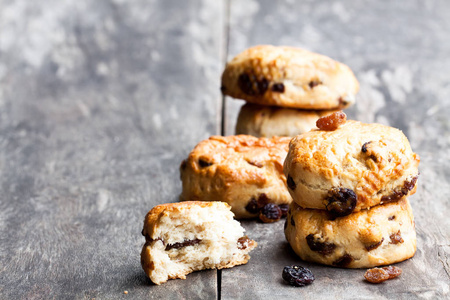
101,100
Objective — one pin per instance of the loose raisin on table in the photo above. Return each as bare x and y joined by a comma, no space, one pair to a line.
376,275
284,209
297,275
331,122
393,271
270,213
341,201
254,206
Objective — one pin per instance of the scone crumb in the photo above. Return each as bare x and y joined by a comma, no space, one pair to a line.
331,122
125,292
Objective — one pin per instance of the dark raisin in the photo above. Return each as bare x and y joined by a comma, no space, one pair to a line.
263,84
297,275
400,193
314,83
285,224
292,221
393,271
344,261
391,218
396,238
364,147
284,209
270,213
183,244
255,163
342,102
374,246
278,87
252,206
183,165
204,163
290,183
341,201
245,84
376,275
331,122
323,248
263,200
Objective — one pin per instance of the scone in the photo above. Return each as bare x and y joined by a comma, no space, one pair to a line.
185,237
381,235
268,121
244,171
354,167
289,77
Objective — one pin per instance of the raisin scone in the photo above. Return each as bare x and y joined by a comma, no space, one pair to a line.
244,171
354,167
268,121
190,236
382,235
289,77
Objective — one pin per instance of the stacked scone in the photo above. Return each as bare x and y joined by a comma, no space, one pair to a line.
350,187
287,89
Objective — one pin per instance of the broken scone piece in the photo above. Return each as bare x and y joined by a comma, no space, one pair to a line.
190,236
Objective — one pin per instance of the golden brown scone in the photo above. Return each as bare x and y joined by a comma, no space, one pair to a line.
244,171
351,168
382,235
189,236
289,77
267,121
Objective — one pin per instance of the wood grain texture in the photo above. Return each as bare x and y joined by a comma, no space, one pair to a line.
399,53
99,103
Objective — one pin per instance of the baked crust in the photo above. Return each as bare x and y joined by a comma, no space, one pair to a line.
236,170
268,121
382,235
289,77
373,161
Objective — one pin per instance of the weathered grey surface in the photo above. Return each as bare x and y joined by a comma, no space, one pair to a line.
101,100
400,54
99,103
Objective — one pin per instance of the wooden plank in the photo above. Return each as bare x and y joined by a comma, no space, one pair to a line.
399,52
99,103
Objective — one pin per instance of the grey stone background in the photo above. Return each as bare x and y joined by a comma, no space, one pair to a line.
101,100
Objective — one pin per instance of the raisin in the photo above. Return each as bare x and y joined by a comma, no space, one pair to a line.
243,242
285,224
270,213
250,85
391,218
396,238
278,87
290,183
323,248
364,147
255,163
376,275
284,209
254,206
183,244
400,193
374,246
204,163
331,122
183,165
314,83
342,102
393,271
297,275
344,261
341,201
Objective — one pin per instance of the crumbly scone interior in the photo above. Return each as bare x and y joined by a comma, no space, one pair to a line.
195,239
